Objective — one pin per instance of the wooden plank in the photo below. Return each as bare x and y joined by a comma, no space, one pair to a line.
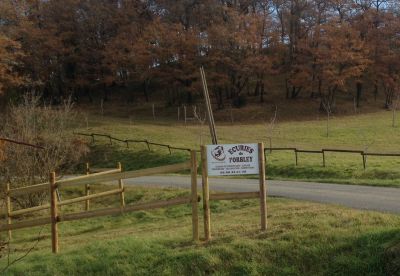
232,196
263,188
29,189
92,196
53,213
98,170
124,175
310,151
29,210
25,224
343,151
121,187
137,207
65,202
206,195
44,186
195,215
177,148
382,154
97,213
87,189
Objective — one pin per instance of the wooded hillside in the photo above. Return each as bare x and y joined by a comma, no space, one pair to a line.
313,48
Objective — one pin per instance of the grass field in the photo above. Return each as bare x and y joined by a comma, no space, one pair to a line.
302,239
369,132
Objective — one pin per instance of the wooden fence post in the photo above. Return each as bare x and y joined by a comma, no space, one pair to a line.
87,188
295,153
364,160
53,213
263,189
195,215
8,205
121,186
323,159
206,194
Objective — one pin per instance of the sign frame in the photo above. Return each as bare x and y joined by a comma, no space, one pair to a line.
232,159
261,194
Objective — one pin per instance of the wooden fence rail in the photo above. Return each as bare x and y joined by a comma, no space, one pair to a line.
105,176
296,151
127,141
323,151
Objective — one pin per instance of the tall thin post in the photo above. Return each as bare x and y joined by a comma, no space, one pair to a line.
206,194
263,188
121,186
210,115
195,215
184,112
87,188
364,157
8,203
53,213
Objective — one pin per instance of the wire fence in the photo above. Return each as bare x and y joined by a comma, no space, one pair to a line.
127,142
296,151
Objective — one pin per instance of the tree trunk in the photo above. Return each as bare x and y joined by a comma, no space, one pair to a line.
262,92
359,91
145,90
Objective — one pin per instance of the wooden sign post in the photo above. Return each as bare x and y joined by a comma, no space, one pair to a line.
233,159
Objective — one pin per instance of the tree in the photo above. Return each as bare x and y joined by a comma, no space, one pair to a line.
43,125
10,54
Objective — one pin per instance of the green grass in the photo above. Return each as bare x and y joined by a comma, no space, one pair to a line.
302,239
370,132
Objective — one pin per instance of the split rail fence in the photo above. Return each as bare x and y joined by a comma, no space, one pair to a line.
323,152
105,176
296,151
127,142
118,175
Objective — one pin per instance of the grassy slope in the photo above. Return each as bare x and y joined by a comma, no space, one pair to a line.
371,132
302,239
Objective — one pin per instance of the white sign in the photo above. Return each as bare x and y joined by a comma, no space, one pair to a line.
232,159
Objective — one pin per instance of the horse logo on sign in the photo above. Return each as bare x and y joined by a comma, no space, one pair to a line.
218,153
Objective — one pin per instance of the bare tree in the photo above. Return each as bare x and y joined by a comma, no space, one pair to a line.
49,127
271,127
328,110
395,105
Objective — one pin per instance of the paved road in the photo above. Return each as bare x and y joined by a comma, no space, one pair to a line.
360,197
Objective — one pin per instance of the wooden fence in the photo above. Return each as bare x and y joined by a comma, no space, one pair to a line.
105,176
127,142
323,152
296,151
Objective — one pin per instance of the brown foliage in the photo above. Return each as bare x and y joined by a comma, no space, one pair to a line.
74,46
